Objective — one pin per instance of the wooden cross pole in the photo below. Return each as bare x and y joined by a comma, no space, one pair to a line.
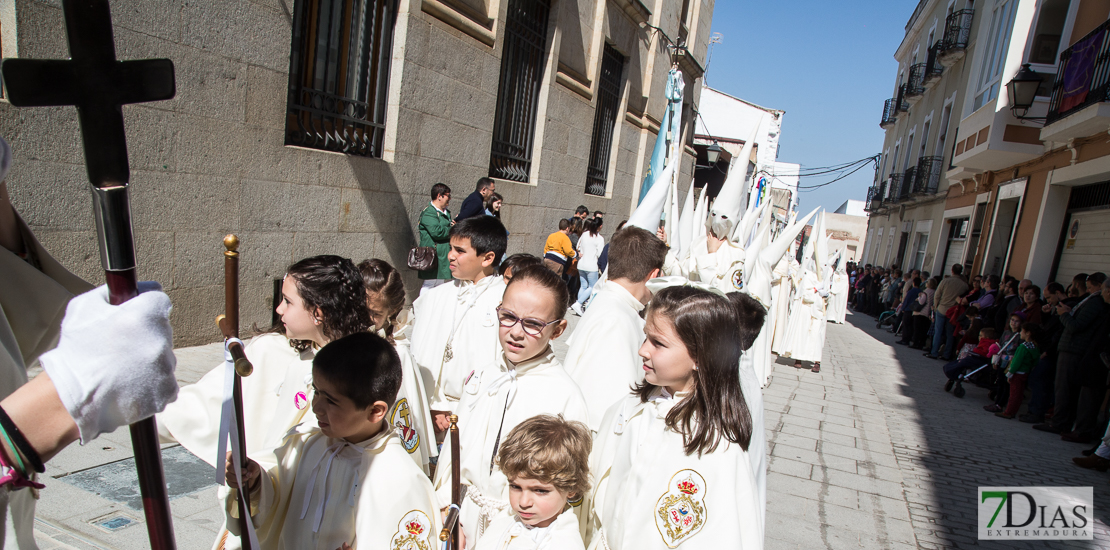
98,84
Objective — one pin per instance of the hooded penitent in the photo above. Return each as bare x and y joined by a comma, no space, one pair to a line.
727,207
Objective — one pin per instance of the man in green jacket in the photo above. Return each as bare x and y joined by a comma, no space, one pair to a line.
435,224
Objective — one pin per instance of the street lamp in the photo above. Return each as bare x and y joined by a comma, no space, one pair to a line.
1022,90
713,152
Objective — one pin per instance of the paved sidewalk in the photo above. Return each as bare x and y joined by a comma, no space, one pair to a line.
872,453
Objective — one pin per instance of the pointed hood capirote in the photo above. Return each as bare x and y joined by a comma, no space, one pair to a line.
646,215
725,213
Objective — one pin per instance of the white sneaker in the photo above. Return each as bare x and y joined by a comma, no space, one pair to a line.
577,309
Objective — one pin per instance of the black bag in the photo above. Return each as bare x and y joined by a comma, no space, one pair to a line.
422,257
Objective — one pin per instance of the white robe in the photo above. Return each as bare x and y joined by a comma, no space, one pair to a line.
806,330
508,533
324,492
276,397
410,413
603,356
723,269
462,314
784,290
533,387
32,305
838,298
650,495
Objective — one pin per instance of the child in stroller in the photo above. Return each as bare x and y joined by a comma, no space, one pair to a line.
979,358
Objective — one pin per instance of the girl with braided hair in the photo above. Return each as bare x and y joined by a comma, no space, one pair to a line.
410,414
323,298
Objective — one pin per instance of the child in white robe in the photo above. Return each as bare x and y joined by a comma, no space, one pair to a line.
547,462
602,356
526,381
410,414
670,464
348,481
454,332
323,298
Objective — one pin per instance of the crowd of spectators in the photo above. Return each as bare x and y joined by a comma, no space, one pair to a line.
1042,355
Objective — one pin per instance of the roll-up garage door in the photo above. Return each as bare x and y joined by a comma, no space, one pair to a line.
1086,244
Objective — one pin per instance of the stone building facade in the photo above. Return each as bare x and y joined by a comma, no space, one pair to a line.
220,158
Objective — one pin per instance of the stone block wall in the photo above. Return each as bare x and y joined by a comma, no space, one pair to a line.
213,160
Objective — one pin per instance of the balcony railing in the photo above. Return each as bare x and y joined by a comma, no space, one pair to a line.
889,116
915,85
875,195
927,177
957,33
933,68
900,103
893,188
907,184
1094,66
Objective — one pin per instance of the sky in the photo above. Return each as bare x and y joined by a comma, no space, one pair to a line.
829,65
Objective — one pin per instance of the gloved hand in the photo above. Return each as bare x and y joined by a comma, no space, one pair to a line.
114,364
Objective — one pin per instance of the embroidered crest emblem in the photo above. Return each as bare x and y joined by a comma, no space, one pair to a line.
680,513
738,279
413,532
300,400
401,418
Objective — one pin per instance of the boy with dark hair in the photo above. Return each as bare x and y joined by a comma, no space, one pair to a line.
604,349
978,357
454,332
351,478
558,251
435,224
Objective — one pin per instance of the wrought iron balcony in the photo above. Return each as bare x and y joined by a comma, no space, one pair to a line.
915,85
933,67
900,103
957,33
875,195
1082,92
889,116
893,189
927,176
906,185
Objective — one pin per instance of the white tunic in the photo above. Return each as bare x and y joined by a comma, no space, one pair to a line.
324,492
454,333
32,305
650,495
787,270
276,397
508,533
493,403
604,351
410,414
723,269
838,298
806,330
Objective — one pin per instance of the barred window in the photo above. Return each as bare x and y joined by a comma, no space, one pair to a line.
605,119
522,64
339,75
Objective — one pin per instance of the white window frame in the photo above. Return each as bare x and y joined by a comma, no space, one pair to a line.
988,79
1069,26
950,105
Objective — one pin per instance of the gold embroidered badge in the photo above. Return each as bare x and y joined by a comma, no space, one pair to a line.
413,532
680,513
738,279
401,419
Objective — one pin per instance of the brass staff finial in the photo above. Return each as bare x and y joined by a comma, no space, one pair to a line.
231,243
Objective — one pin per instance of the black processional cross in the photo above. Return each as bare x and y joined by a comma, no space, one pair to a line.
98,84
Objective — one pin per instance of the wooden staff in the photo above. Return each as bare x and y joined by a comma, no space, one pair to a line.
229,326
98,84
450,532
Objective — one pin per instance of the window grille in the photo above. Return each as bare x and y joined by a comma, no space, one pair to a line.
605,119
339,75
518,92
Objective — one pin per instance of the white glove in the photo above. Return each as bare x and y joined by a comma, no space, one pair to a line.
114,364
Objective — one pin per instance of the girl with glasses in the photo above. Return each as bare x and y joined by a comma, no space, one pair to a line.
526,381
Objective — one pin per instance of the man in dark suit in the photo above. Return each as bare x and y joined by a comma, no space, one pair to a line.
475,203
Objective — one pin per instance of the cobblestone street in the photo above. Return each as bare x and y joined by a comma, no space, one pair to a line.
872,453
